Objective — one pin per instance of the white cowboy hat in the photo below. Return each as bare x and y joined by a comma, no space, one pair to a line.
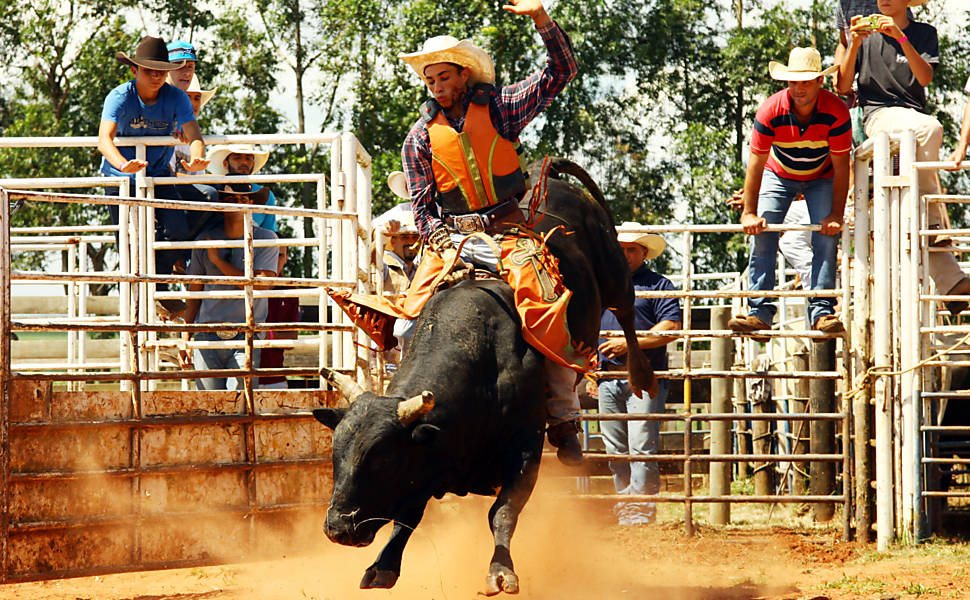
804,64
217,154
398,185
195,86
401,213
654,244
449,49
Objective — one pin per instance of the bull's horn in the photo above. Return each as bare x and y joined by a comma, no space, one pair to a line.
347,387
408,411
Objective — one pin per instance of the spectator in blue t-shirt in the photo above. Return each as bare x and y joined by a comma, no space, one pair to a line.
615,396
148,106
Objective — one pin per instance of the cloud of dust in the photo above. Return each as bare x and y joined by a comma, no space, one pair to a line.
562,549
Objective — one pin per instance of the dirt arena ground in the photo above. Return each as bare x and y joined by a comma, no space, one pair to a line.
564,550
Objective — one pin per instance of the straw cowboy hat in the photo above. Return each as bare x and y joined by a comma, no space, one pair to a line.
151,53
398,185
449,49
401,213
194,86
218,154
915,3
654,244
804,64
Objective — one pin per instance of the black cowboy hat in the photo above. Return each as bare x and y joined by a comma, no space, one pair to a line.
151,53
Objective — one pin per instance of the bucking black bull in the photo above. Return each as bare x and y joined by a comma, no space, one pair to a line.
465,412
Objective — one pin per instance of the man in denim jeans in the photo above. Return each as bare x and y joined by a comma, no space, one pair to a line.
615,396
800,145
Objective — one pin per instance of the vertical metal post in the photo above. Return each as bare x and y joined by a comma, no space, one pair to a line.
125,265
151,316
5,384
351,242
722,359
882,347
366,358
82,343
337,248
72,288
688,423
895,328
320,226
145,238
908,310
862,409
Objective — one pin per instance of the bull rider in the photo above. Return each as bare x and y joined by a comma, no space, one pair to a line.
465,176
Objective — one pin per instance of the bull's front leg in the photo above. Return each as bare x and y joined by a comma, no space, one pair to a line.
642,378
387,568
518,481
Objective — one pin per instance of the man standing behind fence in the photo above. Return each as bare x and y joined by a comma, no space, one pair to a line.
615,396
803,136
148,106
895,58
227,262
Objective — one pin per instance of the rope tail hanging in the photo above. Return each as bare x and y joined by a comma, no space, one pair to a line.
539,194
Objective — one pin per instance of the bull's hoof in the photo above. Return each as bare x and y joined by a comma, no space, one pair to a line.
501,579
375,578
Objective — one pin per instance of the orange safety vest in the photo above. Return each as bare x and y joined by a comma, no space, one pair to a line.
476,168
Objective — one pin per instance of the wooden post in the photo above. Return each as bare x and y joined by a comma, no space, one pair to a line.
800,429
742,432
761,444
722,359
822,400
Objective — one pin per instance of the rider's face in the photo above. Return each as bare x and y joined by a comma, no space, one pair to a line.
447,82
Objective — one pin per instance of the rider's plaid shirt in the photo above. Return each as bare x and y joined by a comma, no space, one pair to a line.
511,107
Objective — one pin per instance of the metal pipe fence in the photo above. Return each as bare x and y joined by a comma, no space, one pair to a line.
250,471
688,415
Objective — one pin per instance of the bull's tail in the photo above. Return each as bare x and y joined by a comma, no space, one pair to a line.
559,165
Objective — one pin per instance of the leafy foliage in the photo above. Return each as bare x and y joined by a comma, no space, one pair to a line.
659,112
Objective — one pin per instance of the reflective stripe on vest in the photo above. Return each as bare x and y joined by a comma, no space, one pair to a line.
476,168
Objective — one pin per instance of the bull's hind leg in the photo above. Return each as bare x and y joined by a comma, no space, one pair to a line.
518,480
387,568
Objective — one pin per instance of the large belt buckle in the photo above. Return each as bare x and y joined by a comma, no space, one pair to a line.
226,334
469,223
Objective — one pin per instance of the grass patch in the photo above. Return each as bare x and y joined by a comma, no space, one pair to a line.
856,585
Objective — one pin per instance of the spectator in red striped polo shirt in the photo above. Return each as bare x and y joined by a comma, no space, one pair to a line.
800,145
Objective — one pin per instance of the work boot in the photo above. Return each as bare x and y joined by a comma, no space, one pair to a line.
747,325
828,324
564,437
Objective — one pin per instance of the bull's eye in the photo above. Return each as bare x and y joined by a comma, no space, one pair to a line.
382,464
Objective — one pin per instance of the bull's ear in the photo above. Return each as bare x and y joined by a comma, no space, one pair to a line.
329,416
424,434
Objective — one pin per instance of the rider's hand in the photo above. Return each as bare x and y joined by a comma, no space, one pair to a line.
737,200
531,8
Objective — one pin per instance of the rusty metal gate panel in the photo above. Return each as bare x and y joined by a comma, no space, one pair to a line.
199,478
